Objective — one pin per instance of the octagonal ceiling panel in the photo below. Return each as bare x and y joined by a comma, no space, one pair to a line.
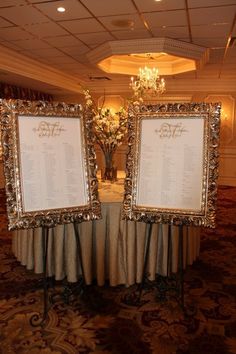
169,55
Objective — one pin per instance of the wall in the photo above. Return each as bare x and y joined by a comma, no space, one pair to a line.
227,162
227,168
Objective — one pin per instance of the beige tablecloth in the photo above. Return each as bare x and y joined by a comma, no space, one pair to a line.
112,249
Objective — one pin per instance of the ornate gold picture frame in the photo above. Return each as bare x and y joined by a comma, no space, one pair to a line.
49,163
172,164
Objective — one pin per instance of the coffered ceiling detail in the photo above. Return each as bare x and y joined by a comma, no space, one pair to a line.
171,56
70,44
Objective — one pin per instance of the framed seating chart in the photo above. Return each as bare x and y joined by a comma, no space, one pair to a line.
49,163
172,163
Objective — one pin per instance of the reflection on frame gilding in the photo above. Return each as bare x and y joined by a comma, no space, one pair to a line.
27,215
154,194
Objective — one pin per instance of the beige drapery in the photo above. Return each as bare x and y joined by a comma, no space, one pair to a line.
112,249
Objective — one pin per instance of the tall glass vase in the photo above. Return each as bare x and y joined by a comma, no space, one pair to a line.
110,172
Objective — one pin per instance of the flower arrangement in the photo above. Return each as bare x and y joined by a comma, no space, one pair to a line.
110,129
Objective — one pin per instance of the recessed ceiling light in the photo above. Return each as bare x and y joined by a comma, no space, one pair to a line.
61,9
123,23
158,0
220,23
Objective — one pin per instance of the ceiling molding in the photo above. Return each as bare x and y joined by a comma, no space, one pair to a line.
13,62
129,65
151,45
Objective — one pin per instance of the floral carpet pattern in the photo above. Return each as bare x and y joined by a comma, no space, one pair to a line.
105,320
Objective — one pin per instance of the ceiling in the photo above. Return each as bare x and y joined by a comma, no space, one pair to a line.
51,51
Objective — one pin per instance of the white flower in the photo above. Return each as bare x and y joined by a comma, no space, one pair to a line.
110,128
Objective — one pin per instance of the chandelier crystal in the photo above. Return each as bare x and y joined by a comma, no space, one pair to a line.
148,83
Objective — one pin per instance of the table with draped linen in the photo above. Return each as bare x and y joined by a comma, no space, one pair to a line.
112,249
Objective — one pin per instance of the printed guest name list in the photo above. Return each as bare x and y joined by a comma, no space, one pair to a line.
171,163
51,165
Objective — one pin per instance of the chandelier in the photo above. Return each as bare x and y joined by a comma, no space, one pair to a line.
148,83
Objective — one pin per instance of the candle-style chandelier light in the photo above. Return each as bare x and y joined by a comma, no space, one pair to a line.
148,83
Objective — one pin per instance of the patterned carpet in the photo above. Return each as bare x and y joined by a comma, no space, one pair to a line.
104,320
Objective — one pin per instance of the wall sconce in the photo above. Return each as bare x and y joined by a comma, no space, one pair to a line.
224,115
227,116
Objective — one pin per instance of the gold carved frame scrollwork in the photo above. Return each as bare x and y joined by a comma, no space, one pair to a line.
146,120
15,116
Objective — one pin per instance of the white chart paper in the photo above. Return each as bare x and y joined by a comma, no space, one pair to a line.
171,163
52,168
